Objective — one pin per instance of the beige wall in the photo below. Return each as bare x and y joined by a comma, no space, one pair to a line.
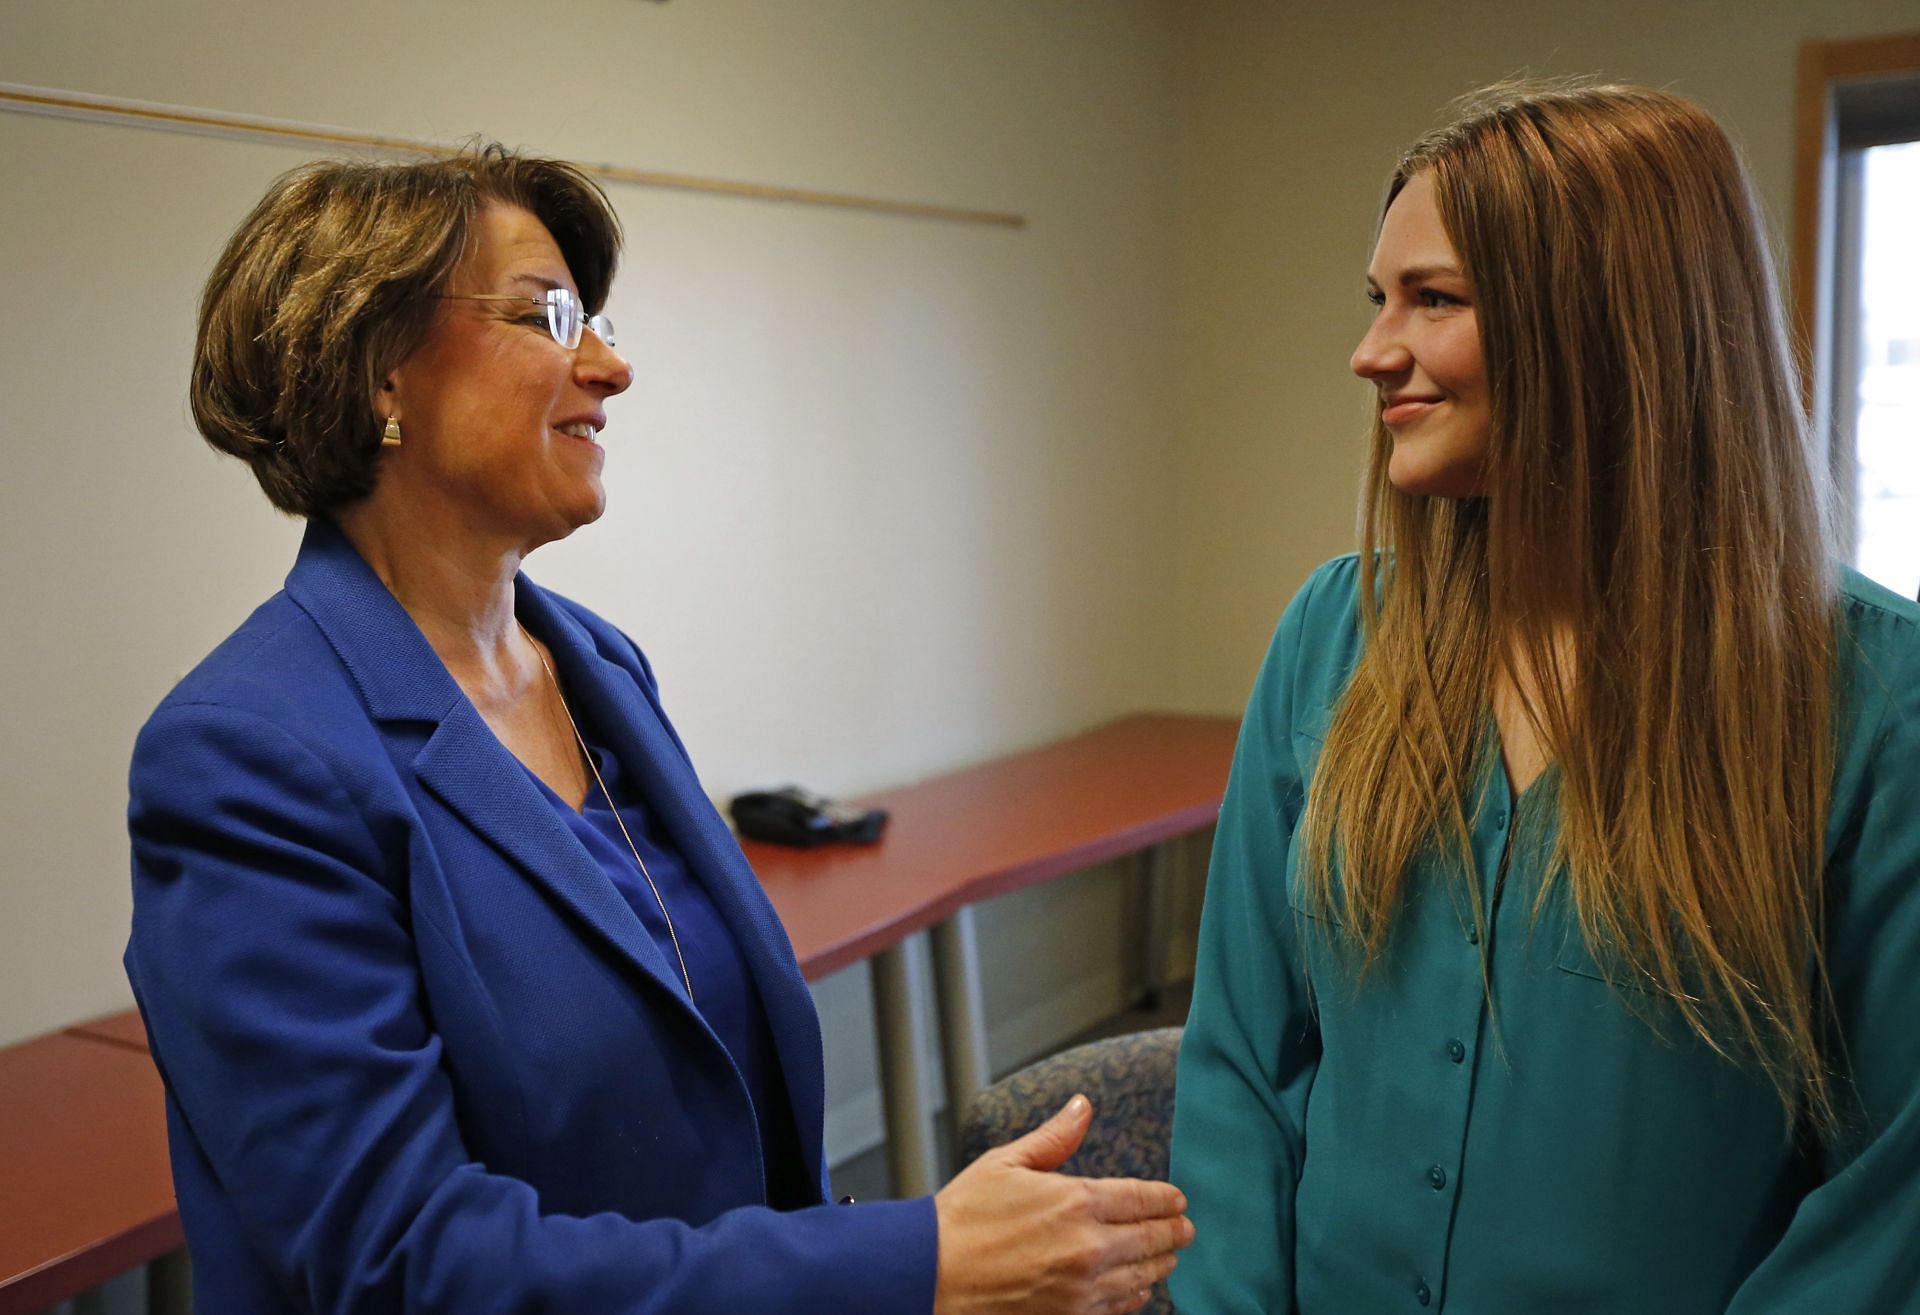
1291,117
889,495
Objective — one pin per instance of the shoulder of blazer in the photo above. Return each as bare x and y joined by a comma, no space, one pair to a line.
607,639
603,640
276,665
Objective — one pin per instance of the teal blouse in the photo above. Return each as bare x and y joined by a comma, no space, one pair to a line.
1530,1143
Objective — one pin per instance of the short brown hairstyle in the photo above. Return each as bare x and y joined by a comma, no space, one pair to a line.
329,284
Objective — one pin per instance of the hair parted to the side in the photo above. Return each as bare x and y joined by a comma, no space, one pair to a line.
1650,495
329,284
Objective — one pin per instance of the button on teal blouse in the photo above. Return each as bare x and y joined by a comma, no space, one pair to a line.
1529,1143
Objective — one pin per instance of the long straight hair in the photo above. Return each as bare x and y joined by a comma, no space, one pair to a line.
1649,492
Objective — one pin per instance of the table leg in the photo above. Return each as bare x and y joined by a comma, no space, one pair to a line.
123,1294
903,1087
963,1018
1156,914
170,1285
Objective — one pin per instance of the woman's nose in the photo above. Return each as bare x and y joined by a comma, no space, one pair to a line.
598,366
1380,352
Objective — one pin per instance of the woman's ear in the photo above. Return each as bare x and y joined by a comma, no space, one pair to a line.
386,398
386,407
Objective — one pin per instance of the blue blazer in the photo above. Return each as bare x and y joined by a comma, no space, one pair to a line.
420,1055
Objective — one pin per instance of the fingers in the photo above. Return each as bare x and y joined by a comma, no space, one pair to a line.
1047,1147
1129,1200
1128,1287
1132,1244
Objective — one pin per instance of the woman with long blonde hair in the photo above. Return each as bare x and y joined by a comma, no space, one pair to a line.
1562,940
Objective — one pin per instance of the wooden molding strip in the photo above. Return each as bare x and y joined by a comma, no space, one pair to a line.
1868,57
1813,128
113,109
1823,63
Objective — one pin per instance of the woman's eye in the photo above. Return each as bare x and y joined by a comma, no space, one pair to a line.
1433,300
1376,296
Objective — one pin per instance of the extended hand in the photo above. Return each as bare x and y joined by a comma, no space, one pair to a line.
1016,1236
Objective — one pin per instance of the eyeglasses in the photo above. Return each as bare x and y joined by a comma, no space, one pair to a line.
566,317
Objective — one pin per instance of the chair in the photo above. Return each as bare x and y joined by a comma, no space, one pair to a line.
1128,1078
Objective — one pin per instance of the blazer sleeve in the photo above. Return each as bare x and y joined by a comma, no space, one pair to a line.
273,955
1853,1247
1251,1046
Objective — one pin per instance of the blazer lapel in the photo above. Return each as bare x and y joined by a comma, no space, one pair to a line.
471,772
463,764
630,725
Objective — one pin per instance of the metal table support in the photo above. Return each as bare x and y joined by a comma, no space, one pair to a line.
963,1017
170,1285
1156,917
903,1089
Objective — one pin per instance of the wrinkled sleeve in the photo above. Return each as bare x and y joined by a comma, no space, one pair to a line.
273,953
1853,1247
1251,1046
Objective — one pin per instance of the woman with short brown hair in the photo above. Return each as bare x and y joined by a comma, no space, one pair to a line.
464,997
337,283
1559,943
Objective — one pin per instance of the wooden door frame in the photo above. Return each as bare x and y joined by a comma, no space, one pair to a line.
1823,64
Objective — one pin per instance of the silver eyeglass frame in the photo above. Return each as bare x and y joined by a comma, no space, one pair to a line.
563,307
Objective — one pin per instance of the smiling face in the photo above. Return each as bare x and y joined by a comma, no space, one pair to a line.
499,420
1422,351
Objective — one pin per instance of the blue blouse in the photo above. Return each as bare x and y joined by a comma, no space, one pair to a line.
723,989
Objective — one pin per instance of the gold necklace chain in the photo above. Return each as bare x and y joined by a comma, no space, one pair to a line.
594,767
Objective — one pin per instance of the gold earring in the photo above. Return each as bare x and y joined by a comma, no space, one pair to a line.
390,436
